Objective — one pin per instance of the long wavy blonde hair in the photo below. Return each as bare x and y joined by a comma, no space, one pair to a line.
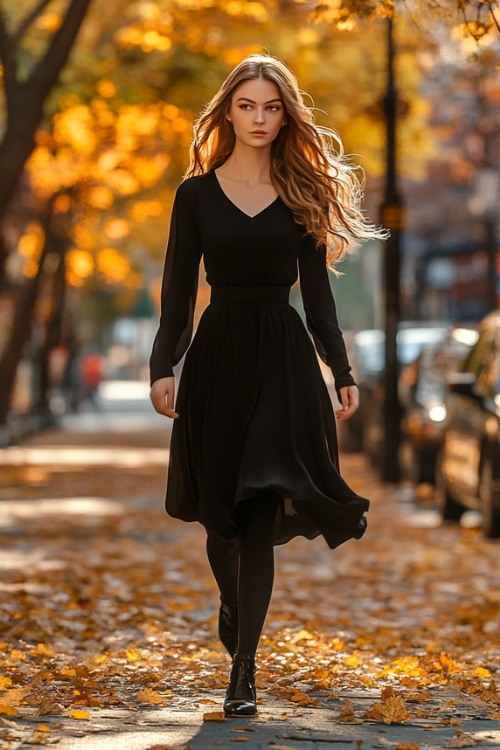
309,170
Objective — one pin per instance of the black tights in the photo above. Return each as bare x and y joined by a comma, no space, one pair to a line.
244,567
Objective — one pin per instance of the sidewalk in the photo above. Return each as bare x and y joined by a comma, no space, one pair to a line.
108,617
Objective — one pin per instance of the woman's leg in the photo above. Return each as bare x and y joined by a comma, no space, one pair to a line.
256,568
255,584
223,557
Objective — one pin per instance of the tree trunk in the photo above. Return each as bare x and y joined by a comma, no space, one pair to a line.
15,149
18,337
25,101
53,333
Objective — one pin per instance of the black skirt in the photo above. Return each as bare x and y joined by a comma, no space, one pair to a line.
255,414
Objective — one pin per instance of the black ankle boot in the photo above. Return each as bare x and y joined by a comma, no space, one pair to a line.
241,698
228,626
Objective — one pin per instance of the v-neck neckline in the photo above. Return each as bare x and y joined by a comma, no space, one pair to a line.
248,216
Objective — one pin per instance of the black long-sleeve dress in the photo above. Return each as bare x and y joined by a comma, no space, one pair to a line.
254,410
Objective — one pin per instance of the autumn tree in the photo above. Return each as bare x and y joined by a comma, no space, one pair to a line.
110,141
26,91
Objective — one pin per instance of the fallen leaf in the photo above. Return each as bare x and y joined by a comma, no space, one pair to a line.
242,728
463,739
214,716
5,708
391,711
48,707
352,661
304,635
41,739
132,654
147,695
481,673
79,713
346,708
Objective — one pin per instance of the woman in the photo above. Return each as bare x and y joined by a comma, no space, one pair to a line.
253,453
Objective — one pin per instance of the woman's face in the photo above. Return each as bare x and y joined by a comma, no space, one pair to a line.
256,112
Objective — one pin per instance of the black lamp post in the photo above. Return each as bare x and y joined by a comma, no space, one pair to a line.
392,218
485,204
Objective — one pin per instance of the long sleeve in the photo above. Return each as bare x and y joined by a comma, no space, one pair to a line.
179,287
321,313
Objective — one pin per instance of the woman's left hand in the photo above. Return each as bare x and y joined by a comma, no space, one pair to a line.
349,397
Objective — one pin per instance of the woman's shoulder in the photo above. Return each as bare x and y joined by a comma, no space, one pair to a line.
192,186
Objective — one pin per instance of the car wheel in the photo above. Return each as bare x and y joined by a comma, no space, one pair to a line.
449,508
490,512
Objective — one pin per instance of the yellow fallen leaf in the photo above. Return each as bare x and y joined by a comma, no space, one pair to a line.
13,696
391,711
407,746
336,644
214,716
147,695
298,696
5,682
482,673
132,654
43,649
17,655
352,661
100,658
43,728
5,708
79,713
447,664
304,635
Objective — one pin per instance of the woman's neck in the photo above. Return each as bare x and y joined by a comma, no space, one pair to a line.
249,165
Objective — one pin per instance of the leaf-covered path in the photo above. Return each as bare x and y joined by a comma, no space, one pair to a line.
108,617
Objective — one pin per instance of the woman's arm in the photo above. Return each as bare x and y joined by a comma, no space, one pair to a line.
163,397
321,319
349,398
178,295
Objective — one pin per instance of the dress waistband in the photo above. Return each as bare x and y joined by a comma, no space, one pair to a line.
250,294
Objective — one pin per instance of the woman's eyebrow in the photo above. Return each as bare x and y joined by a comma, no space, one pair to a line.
246,99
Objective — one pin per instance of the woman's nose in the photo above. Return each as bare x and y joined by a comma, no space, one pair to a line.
259,115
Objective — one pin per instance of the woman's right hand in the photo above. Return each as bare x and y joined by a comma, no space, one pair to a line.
162,396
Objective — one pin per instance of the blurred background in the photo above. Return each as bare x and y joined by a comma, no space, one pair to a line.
98,101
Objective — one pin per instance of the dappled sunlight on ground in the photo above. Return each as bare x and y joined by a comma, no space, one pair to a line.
109,606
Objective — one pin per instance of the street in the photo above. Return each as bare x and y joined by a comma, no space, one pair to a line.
108,613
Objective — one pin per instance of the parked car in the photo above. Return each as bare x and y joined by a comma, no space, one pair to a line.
422,388
468,467
364,431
